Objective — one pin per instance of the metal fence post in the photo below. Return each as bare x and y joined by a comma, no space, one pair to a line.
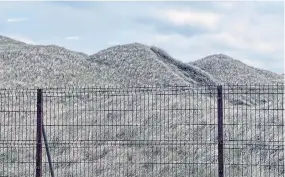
220,132
39,133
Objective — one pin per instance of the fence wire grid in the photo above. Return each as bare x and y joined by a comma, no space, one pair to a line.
144,132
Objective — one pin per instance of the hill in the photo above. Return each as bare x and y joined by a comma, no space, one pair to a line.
140,65
31,66
129,65
230,71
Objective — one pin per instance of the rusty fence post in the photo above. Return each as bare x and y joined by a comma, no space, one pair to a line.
220,132
39,133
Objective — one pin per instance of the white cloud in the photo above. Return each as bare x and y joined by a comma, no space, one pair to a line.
226,5
241,30
10,20
72,38
189,17
244,42
246,29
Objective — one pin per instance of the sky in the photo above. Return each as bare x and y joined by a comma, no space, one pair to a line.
252,32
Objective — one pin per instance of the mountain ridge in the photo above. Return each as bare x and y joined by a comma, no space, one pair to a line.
127,65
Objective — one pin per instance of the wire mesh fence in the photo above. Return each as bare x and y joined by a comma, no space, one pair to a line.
146,131
17,132
254,130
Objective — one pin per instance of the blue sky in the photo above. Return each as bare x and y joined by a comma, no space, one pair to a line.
252,32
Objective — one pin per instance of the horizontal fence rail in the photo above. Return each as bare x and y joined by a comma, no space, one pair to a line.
206,131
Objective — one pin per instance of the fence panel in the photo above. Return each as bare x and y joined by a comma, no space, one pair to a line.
254,130
17,132
132,132
145,131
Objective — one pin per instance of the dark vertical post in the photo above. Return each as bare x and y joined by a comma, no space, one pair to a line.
39,133
220,132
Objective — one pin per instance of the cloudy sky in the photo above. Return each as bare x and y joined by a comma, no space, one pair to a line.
252,32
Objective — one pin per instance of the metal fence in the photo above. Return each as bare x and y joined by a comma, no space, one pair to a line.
207,131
